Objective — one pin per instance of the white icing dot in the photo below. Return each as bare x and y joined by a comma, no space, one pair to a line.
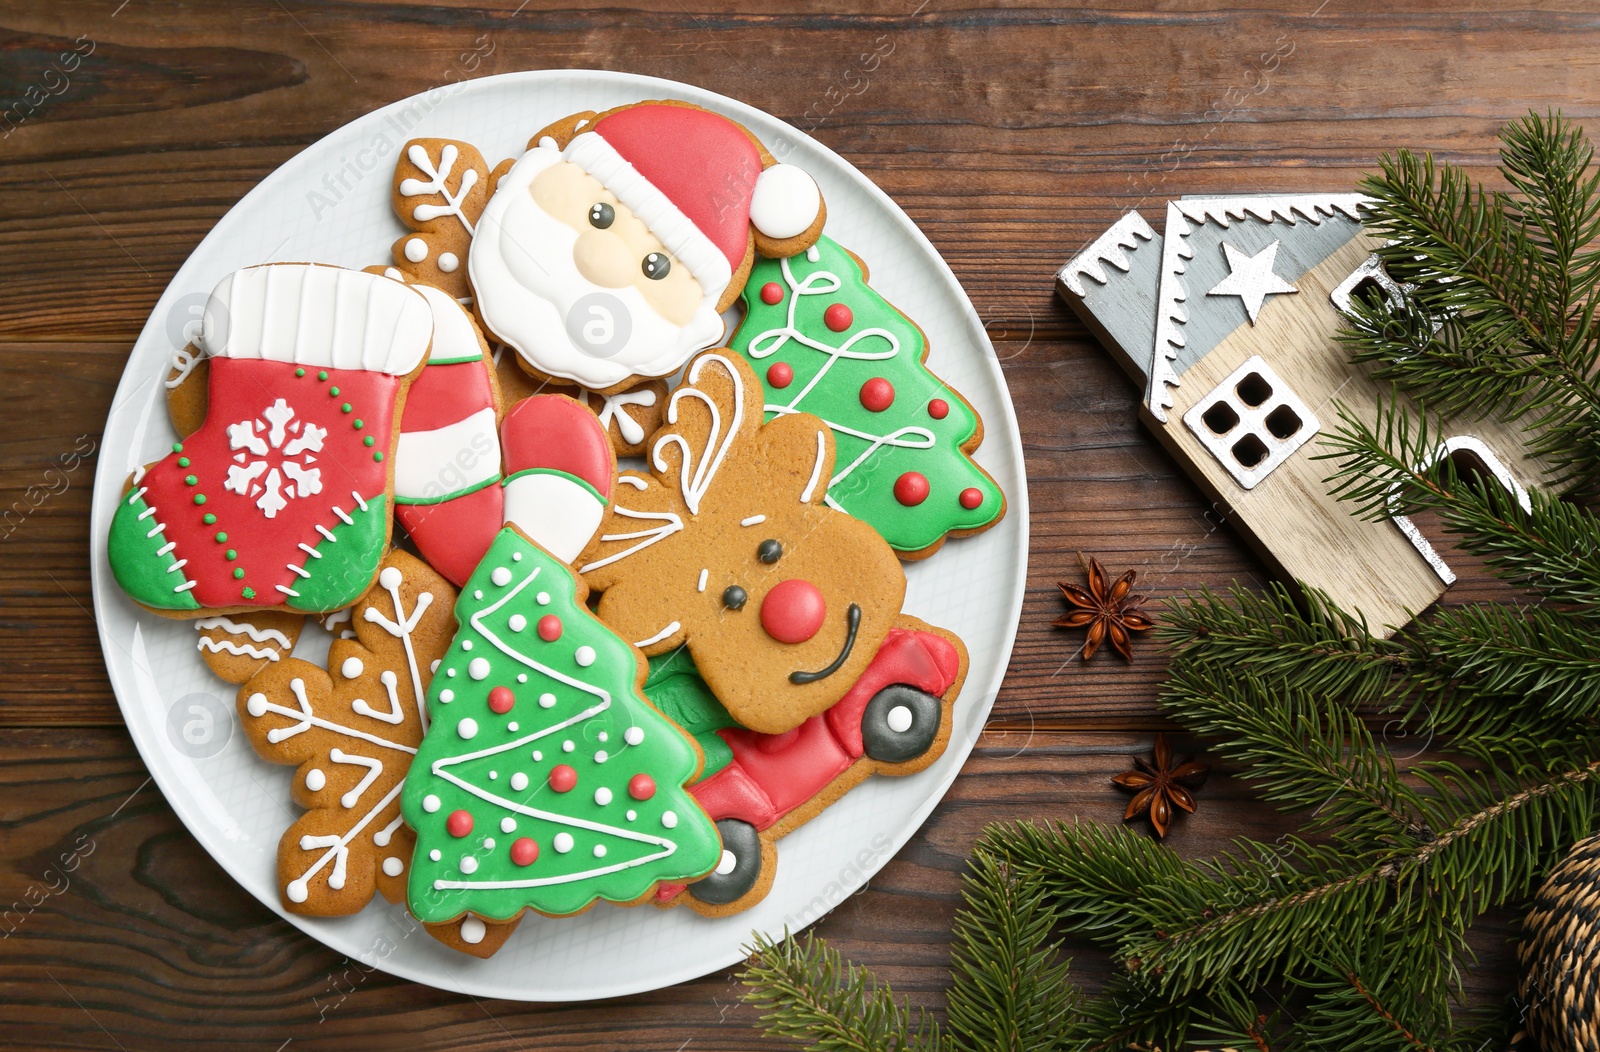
562,842
390,577
899,719
727,863
669,819
512,726
467,728
599,851
547,701
516,557
469,864
543,598
602,736
493,775
537,756
633,735
517,623
508,825
632,814
477,593
296,891
813,254
430,803
601,756
472,930
488,843
315,779
466,644
257,705
584,656
450,672
434,667
351,668
434,856
416,249
522,677
447,695
393,866
568,746
501,576
448,262
602,796
478,669
519,782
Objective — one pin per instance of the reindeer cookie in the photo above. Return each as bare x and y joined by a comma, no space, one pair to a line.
726,547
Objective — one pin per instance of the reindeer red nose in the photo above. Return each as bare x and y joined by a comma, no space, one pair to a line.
793,611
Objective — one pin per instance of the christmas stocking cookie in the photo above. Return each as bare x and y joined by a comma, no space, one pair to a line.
447,466
282,498
559,473
546,780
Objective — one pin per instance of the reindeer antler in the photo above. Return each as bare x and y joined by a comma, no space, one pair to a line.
717,443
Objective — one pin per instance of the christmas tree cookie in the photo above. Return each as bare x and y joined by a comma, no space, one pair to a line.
823,342
546,781
282,497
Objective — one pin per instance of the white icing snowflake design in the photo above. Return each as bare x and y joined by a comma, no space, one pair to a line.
277,467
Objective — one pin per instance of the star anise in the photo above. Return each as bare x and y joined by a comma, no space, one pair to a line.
1160,784
1107,610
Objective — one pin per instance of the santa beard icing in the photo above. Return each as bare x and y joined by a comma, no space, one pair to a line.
533,297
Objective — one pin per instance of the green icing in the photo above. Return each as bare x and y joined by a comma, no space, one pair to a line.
142,573
675,687
474,760
336,583
873,448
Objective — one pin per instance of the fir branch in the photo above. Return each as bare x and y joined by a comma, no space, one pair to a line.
807,992
1010,993
1535,658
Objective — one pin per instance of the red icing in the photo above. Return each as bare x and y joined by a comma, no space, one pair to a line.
772,293
911,488
793,611
241,389
524,851
501,699
458,824
970,498
455,534
838,317
877,394
549,628
917,659
793,770
641,787
563,778
445,394
780,374
553,431
732,793
703,162
938,409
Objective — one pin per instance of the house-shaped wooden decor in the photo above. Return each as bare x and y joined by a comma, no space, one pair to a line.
1228,320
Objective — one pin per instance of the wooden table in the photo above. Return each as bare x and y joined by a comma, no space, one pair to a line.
1012,136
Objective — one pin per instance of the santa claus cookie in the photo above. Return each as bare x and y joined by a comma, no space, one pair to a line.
282,498
728,548
607,251
351,732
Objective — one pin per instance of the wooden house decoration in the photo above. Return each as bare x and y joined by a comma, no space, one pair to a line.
1228,319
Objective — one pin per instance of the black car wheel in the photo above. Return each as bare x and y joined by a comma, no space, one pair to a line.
900,723
739,869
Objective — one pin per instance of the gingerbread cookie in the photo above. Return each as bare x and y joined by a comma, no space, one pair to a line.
630,417
894,720
546,781
236,648
728,548
352,731
282,499
824,342
440,188
608,249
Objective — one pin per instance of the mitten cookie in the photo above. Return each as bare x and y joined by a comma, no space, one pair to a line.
824,342
607,251
728,548
353,729
440,188
546,780
282,498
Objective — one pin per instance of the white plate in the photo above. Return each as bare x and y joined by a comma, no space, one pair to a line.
331,204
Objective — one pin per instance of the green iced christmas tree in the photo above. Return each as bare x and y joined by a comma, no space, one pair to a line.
545,781
825,343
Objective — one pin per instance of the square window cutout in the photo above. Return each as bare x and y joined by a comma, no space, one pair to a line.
1251,422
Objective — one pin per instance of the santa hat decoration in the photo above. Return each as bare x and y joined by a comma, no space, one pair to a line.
696,180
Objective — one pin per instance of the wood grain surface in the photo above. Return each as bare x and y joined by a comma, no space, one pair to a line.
1011,134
